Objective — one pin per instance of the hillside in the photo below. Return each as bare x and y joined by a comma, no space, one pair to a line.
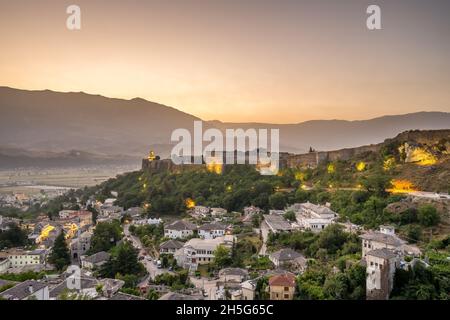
60,122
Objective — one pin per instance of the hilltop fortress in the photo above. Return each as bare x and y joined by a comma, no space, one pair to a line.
412,141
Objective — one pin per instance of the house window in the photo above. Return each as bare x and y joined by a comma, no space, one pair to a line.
286,289
286,296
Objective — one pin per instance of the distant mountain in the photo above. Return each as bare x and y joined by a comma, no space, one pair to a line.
60,122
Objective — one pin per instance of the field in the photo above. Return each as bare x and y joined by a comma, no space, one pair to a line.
31,180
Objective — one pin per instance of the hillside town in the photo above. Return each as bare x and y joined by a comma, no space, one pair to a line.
187,258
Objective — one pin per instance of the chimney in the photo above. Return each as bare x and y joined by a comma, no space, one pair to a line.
30,289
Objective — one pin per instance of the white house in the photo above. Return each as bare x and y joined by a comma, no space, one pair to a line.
179,229
313,217
385,238
201,210
170,247
200,251
211,231
26,258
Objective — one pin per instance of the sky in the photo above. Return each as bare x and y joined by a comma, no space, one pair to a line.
278,61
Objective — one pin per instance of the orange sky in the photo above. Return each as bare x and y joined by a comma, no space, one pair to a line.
254,60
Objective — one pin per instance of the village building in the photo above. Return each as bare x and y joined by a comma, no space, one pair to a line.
179,229
170,247
381,266
211,231
313,217
94,261
290,259
252,210
218,212
21,258
80,245
248,289
237,275
27,290
201,211
277,223
282,287
200,251
385,238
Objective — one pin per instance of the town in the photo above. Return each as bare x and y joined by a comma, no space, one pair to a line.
207,253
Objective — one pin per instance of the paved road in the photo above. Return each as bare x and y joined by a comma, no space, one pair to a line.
150,265
209,286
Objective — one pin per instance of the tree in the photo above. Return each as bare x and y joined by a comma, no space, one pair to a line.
60,255
414,232
152,295
428,215
376,183
290,215
222,257
123,261
94,214
332,238
277,201
13,237
105,236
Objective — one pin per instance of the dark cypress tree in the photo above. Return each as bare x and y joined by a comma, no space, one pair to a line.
60,255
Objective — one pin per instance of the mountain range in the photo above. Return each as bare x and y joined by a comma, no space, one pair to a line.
63,125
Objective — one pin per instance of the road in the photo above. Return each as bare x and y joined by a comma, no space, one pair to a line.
148,261
210,286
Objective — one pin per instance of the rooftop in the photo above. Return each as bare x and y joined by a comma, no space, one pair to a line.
171,244
98,257
283,280
277,222
286,255
181,225
388,239
23,290
125,296
212,226
383,253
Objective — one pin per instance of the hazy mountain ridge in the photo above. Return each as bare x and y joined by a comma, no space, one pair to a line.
60,122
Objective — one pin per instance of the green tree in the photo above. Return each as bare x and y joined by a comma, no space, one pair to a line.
123,261
332,238
277,201
60,255
290,216
222,257
428,215
106,235
13,237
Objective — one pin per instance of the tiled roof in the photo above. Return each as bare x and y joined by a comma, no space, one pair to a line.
284,280
171,244
388,239
181,225
383,253
22,290
98,257
286,255
212,226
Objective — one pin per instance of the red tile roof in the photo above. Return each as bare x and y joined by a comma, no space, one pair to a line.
283,280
